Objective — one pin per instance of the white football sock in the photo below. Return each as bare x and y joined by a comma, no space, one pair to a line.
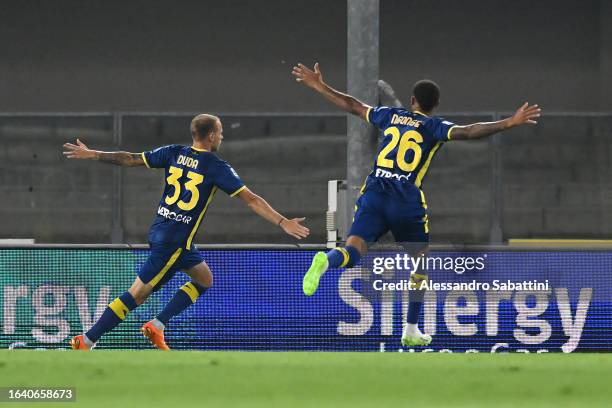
89,343
158,325
412,330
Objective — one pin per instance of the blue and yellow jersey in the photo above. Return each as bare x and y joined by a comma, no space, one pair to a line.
411,139
192,179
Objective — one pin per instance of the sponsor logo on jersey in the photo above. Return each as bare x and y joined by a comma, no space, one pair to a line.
171,215
388,174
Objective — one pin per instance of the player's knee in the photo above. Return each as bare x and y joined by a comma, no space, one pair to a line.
357,242
140,291
140,299
201,288
421,249
354,256
140,294
208,280
201,274
415,249
205,282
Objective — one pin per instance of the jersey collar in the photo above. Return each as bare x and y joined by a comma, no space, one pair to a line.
198,150
420,113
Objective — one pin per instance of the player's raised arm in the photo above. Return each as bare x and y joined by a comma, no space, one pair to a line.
526,114
265,210
314,79
81,151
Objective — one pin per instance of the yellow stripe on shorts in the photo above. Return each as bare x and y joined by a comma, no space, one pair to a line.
166,267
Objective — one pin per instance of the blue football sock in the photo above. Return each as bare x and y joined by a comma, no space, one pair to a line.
346,257
114,314
414,311
417,295
335,258
182,299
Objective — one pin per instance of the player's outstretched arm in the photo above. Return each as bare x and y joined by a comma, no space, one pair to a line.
265,210
526,114
314,79
81,151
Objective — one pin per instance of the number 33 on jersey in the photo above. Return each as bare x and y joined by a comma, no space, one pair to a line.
192,179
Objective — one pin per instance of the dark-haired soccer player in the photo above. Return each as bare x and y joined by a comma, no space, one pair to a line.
193,176
392,199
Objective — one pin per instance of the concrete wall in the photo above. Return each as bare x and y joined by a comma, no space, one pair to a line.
556,179
236,56
286,160
491,55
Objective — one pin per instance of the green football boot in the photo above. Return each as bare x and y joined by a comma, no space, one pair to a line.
415,338
317,269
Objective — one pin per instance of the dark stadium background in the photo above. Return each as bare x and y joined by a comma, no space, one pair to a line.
130,75
234,57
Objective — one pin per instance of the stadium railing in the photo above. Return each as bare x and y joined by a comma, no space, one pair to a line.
549,181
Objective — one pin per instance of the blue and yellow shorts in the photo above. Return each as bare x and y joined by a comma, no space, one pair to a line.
377,213
164,261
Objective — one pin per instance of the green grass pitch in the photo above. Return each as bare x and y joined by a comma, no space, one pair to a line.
112,379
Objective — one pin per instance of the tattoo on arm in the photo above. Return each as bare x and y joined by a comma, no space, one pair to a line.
478,130
121,158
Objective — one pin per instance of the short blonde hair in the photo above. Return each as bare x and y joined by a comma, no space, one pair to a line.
202,125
